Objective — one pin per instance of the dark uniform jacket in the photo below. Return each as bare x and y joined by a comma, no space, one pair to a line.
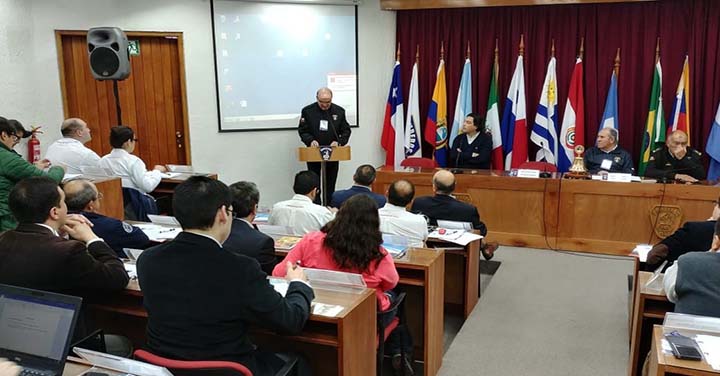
309,127
663,165
248,241
339,197
475,155
201,299
621,160
447,208
117,234
691,237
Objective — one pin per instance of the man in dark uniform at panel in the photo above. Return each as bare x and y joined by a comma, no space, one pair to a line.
607,156
324,124
676,161
82,197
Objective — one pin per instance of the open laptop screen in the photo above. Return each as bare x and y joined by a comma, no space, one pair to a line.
35,325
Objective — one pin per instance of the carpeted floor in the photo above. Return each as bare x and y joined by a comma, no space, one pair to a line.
546,313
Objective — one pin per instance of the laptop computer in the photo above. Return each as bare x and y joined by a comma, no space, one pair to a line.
36,328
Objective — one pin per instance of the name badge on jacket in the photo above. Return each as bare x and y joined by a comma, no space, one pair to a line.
324,125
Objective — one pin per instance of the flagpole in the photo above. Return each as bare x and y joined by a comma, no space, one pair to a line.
552,47
657,51
582,48
397,53
521,47
616,67
467,55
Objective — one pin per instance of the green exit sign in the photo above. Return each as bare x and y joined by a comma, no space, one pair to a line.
134,47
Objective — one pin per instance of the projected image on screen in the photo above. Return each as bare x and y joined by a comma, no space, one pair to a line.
271,59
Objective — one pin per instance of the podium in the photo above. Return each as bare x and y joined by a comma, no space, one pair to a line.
313,154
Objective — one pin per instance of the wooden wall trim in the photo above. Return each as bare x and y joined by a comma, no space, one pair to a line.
61,66
186,119
440,4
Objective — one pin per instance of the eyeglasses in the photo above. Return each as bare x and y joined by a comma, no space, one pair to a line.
99,196
136,139
15,137
231,213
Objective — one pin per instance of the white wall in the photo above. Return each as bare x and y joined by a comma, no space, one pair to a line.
30,83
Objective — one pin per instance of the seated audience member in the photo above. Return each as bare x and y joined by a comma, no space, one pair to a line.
245,239
363,178
607,156
70,150
24,133
201,298
14,168
352,243
395,220
693,282
9,368
444,206
82,197
691,237
473,148
676,161
128,166
300,213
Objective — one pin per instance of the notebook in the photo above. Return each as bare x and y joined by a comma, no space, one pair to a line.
36,328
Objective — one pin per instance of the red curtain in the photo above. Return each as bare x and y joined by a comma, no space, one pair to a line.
684,26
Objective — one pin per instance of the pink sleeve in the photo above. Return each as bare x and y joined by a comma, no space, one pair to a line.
387,273
295,254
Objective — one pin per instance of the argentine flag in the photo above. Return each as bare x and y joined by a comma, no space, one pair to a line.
610,115
544,131
463,105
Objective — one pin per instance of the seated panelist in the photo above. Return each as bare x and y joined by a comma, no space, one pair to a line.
127,166
473,148
676,161
607,156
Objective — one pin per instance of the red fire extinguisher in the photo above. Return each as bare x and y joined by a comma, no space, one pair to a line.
34,146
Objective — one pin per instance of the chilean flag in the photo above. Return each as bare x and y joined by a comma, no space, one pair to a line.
393,134
514,125
680,115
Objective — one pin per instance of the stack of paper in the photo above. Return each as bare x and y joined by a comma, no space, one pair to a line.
461,237
710,346
159,233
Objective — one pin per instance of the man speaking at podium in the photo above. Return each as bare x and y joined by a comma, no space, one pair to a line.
323,124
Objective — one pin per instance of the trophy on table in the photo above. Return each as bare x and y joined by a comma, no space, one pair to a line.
577,170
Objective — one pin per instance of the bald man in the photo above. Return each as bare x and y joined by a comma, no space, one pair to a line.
395,220
607,156
323,123
82,197
70,151
676,161
443,206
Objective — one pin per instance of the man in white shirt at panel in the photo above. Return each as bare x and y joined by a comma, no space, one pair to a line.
128,166
70,150
395,220
300,213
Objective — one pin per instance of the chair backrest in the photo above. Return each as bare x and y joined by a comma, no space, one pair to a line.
542,166
193,367
419,162
139,203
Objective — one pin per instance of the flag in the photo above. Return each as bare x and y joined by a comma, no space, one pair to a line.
544,131
713,148
492,120
572,132
680,115
463,105
513,126
412,125
436,125
655,125
610,115
393,136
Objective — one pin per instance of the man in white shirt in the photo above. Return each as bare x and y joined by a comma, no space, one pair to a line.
395,220
70,150
300,213
128,166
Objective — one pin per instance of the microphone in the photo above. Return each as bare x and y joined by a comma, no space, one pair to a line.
666,179
332,125
457,169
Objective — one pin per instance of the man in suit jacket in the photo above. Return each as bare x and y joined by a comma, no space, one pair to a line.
82,197
245,239
444,206
691,237
201,298
363,178
34,255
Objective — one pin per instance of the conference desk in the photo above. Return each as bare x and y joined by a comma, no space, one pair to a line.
577,215
111,189
667,364
340,345
649,308
422,279
462,275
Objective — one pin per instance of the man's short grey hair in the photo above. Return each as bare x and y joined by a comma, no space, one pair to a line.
78,200
613,133
69,126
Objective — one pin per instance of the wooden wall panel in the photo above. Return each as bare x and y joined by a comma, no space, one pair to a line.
438,4
152,98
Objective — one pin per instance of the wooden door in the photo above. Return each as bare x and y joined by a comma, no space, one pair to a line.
152,99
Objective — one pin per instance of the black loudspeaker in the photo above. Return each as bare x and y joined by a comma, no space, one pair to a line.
108,52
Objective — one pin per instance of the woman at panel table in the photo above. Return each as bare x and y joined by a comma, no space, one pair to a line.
473,148
352,243
128,166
